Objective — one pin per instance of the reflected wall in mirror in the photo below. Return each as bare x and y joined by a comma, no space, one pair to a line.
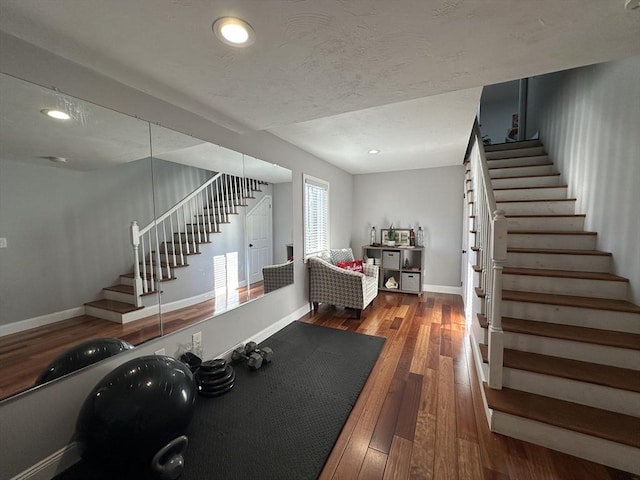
93,240
68,191
214,212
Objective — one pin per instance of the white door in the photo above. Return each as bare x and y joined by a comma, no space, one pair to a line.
259,237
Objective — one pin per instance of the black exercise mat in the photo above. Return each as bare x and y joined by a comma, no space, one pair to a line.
279,422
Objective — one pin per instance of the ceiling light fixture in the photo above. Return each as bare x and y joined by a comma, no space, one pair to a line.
57,114
374,151
234,31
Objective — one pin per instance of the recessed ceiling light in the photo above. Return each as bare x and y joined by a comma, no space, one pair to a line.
234,32
374,151
57,114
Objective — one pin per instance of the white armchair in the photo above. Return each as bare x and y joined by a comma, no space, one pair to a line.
337,286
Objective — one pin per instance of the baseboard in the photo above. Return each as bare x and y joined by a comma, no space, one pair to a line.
442,289
52,465
41,321
166,307
271,329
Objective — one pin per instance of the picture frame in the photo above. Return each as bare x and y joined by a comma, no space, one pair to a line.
402,237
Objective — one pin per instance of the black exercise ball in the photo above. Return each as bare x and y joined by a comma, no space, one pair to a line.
135,418
82,355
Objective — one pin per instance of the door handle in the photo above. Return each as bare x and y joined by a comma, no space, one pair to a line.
250,245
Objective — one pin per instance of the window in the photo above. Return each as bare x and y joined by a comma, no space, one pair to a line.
316,215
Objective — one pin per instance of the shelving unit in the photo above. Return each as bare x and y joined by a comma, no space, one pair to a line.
404,264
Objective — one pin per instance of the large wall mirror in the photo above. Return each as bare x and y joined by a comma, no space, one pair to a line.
112,227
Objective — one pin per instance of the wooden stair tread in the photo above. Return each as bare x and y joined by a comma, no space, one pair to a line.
541,164
547,215
480,293
527,176
475,249
554,251
551,232
569,332
530,188
538,200
500,147
541,272
163,279
571,301
614,377
482,320
113,306
177,252
592,421
165,264
128,289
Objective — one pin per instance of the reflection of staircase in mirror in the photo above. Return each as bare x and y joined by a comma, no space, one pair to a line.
160,253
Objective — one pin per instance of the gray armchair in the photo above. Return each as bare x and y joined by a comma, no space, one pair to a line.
277,276
337,286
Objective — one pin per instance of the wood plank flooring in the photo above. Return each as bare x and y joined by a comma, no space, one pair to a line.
24,355
420,414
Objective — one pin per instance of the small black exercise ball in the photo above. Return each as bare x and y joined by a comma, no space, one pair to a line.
135,418
82,355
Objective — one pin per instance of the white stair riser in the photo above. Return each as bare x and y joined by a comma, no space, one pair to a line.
571,242
517,161
524,151
543,181
599,450
566,286
521,171
127,281
191,237
556,193
584,393
119,297
579,263
575,316
549,207
585,352
103,314
177,247
558,223
170,260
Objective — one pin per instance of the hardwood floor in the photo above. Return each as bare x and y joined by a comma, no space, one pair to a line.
25,354
420,413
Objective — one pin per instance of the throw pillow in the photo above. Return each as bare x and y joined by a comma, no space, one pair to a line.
355,266
341,255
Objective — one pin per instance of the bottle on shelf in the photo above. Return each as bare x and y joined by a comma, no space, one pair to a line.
412,238
420,238
373,237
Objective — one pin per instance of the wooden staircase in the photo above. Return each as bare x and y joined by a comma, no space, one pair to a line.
571,365
119,302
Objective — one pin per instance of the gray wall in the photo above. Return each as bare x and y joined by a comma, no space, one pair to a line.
431,198
282,220
496,118
589,119
68,231
30,431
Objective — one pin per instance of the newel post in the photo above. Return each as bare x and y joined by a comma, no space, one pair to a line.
498,259
137,279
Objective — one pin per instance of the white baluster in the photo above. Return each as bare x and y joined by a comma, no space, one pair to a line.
137,280
186,228
193,236
173,243
152,283
207,202
166,251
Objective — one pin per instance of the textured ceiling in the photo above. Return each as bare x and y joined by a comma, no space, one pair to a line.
342,64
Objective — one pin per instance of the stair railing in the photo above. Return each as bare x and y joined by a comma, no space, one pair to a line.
491,239
180,230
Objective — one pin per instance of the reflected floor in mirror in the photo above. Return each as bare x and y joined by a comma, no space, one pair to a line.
22,359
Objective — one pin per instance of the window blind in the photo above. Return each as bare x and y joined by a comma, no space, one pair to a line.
316,215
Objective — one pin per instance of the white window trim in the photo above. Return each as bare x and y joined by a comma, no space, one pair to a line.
310,180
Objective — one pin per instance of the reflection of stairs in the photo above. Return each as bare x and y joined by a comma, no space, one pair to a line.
572,338
120,300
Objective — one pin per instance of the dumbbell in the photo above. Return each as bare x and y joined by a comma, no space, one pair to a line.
254,356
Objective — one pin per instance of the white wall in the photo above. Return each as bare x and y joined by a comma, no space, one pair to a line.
282,221
40,422
430,198
589,121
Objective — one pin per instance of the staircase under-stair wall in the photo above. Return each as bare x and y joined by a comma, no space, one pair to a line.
184,233
569,336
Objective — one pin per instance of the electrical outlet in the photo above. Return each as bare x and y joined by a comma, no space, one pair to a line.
3,242
160,352
196,343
